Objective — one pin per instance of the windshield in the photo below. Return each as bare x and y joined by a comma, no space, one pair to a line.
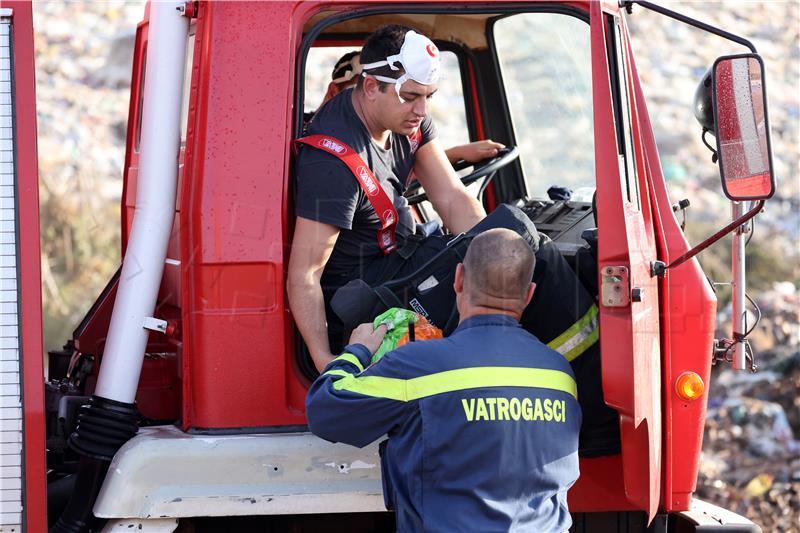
545,61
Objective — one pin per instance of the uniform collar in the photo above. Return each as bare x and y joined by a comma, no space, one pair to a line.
487,320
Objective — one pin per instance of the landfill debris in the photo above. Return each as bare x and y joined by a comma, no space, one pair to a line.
751,452
750,462
759,485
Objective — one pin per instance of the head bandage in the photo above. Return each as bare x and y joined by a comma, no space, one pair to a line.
418,57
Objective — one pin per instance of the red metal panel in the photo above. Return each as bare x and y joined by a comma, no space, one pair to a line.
688,306
628,335
236,358
600,487
30,306
131,169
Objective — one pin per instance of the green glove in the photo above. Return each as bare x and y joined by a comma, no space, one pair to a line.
396,321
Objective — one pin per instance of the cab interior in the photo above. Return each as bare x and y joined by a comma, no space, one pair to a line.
522,78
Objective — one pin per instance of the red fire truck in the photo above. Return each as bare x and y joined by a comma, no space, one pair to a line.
178,404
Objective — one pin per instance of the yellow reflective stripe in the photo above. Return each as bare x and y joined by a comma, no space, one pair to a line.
576,339
405,390
351,358
337,372
584,345
574,328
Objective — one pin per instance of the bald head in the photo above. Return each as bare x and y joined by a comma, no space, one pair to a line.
497,270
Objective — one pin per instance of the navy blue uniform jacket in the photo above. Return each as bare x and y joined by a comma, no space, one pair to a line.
483,427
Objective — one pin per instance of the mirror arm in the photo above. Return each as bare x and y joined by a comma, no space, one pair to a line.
628,4
658,268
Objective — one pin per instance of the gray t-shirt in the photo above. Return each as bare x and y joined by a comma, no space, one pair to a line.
328,192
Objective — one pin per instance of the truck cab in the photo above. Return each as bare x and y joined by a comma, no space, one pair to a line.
221,436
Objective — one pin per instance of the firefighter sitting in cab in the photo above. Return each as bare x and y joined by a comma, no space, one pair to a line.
483,426
378,133
353,222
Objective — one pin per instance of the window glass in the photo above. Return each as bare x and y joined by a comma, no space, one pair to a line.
545,59
628,162
319,67
447,105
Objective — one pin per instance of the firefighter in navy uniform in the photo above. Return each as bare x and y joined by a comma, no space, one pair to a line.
483,425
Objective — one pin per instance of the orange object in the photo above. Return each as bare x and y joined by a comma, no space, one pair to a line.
689,386
423,331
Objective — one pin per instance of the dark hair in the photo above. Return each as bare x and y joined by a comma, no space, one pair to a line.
384,42
343,65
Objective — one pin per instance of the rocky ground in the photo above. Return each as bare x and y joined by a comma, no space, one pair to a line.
751,455
751,461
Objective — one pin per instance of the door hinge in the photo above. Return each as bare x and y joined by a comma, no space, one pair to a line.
615,289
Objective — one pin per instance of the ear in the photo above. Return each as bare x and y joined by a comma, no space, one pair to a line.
371,87
458,283
529,295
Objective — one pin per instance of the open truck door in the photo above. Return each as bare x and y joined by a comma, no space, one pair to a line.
628,295
22,443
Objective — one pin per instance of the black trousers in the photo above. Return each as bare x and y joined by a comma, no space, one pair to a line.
396,265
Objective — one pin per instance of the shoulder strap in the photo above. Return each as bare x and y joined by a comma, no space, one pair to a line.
377,197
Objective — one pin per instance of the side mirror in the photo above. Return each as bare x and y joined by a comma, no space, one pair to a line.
739,99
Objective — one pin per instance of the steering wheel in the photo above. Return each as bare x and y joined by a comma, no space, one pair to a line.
483,169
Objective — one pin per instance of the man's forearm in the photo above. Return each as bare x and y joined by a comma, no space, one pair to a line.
454,153
338,413
308,309
462,212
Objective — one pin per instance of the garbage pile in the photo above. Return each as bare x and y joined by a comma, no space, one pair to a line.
83,64
751,456
751,451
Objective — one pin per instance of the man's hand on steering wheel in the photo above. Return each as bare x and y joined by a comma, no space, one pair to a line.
474,152
487,169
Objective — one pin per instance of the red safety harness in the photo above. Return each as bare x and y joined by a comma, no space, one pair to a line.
377,197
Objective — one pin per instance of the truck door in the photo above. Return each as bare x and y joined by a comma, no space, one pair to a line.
22,451
628,299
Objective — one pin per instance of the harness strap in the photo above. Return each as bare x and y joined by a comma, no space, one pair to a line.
377,197
388,298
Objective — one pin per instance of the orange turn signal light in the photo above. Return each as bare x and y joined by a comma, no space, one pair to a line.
689,386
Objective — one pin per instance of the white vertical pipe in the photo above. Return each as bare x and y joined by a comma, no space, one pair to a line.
143,264
738,289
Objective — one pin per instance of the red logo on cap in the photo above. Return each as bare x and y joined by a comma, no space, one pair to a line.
432,50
